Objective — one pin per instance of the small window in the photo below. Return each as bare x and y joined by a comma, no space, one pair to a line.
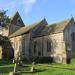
18,21
48,45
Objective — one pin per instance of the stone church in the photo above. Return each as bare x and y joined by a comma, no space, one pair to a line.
41,39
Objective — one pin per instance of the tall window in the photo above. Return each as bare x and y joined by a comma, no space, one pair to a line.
48,45
39,53
35,44
73,36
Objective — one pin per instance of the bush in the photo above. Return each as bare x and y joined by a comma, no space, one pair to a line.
2,62
26,61
73,61
42,59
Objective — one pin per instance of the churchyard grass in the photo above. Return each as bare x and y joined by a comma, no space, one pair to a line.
43,69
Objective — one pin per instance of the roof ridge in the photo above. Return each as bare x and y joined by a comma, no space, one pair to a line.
59,22
12,16
36,22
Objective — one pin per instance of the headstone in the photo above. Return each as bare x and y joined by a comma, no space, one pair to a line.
33,67
20,63
17,62
14,73
13,61
15,67
0,52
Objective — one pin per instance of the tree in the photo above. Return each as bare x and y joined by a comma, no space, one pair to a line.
4,19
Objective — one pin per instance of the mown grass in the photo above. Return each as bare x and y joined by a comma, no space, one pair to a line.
43,69
5,67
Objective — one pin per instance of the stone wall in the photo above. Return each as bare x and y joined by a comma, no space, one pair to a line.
26,45
70,43
62,45
58,48
21,45
36,47
16,44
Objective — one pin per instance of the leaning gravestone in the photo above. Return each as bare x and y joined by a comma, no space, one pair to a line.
33,67
15,71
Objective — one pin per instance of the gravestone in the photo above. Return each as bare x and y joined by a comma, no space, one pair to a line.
0,52
17,63
14,73
33,67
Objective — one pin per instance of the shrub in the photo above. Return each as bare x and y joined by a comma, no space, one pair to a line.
42,59
26,61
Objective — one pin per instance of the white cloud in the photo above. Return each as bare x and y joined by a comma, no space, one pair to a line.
28,5
25,5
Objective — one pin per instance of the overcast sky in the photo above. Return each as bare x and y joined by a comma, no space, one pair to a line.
33,10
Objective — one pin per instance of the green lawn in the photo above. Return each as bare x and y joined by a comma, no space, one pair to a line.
44,69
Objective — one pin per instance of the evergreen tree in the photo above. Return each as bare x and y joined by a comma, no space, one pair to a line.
4,19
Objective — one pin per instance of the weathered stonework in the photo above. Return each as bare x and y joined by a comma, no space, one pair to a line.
52,44
58,48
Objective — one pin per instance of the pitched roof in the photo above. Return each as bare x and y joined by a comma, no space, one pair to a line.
16,23
26,29
55,28
16,16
